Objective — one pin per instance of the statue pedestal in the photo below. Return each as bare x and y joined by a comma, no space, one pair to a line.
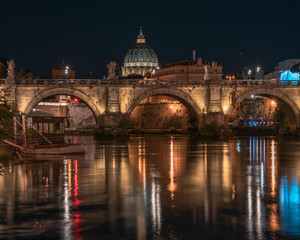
214,104
10,80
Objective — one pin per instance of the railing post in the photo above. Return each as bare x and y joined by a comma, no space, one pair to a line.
24,130
15,129
278,82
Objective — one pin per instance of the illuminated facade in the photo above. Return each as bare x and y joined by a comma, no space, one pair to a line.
189,71
286,70
140,59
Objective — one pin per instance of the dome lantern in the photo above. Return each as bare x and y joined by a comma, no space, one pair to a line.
141,37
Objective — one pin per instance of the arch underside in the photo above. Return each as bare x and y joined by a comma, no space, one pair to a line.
182,97
62,91
284,103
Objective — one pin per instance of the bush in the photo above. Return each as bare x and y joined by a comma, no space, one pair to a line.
280,120
6,120
124,122
211,130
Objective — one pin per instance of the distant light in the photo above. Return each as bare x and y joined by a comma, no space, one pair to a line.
171,106
273,102
67,67
225,108
258,69
249,72
76,100
252,96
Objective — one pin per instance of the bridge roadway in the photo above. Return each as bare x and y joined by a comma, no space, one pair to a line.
208,101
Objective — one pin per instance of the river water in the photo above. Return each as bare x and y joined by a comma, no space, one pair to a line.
157,187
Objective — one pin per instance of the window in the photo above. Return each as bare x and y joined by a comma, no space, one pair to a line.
46,128
36,126
40,127
50,127
57,128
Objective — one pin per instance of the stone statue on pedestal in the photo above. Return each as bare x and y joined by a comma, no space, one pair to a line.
214,65
112,70
10,72
199,61
206,74
11,68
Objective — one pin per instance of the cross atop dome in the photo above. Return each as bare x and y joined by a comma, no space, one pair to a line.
141,37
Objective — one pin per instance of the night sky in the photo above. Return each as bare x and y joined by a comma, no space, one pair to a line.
88,34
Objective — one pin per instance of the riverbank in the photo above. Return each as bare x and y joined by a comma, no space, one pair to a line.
208,131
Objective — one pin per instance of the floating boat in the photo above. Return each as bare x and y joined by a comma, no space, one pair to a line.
56,150
29,146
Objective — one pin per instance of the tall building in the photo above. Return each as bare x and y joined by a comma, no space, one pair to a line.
140,59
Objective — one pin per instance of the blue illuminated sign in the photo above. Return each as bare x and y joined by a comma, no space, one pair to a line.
288,75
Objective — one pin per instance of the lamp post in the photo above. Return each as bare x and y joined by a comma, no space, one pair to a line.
67,71
258,74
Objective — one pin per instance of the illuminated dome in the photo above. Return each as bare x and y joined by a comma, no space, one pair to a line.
140,59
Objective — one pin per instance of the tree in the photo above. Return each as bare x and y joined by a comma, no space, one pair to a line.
2,70
29,74
6,119
19,75
280,120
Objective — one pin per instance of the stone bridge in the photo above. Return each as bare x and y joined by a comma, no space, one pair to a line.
214,101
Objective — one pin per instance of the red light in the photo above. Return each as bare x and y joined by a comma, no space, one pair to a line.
76,100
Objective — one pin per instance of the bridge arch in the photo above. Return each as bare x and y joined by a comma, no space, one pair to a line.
285,103
63,91
175,93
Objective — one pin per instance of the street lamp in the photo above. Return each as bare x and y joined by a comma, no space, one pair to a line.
67,71
249,73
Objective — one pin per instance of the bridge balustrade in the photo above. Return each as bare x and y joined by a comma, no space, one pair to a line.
272,82
140,82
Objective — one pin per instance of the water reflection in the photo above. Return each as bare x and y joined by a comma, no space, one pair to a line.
157,187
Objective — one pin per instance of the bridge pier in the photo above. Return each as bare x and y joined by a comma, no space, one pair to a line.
217,117
215,111
112,116
109,120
